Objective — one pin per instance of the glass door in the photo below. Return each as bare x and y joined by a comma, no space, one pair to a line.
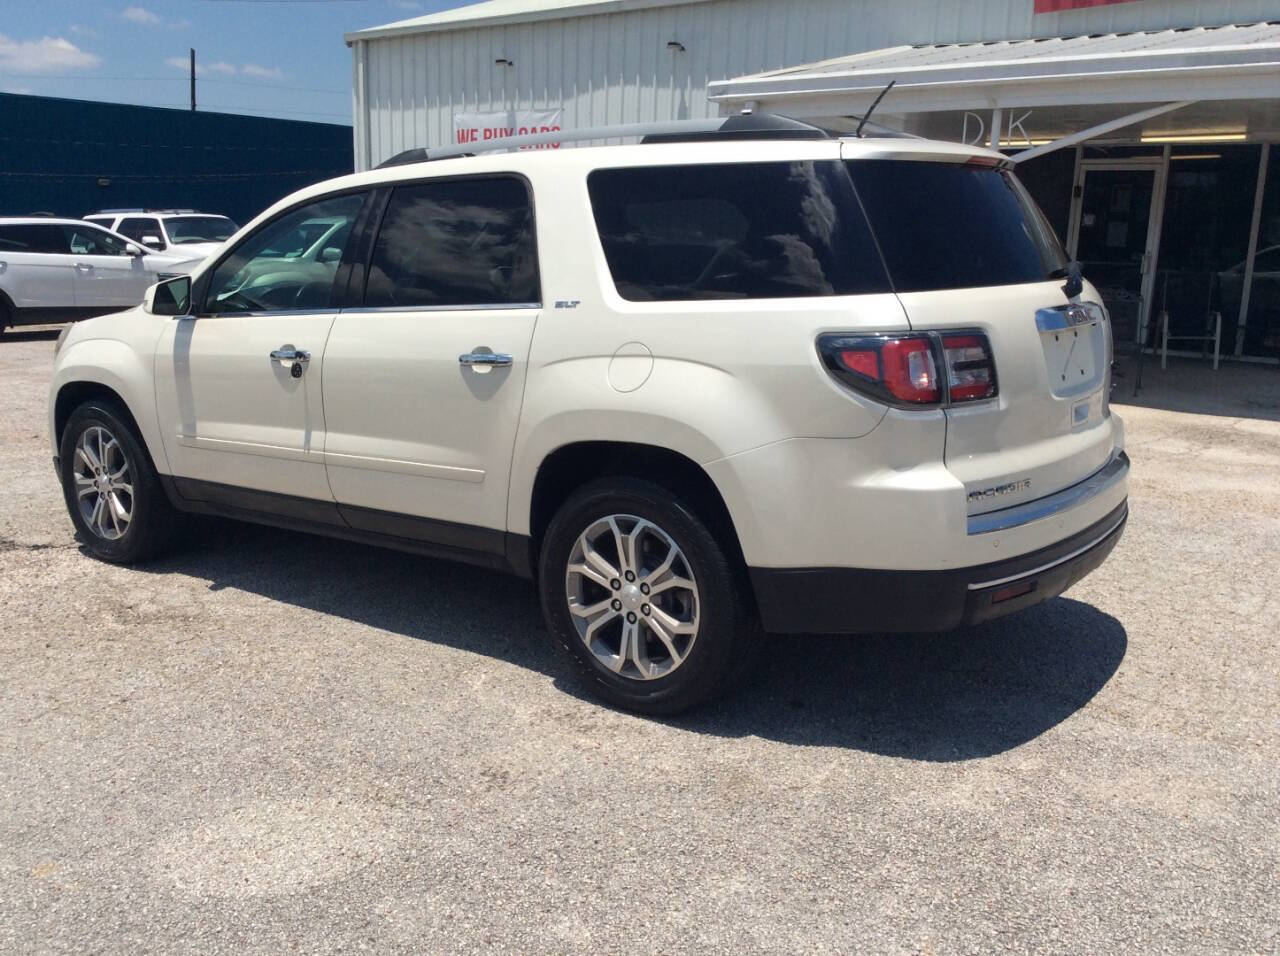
1114,233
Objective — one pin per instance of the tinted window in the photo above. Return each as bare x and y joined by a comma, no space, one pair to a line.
951,226
459,242
136,227
200,229
89,240
33,238
734,231
259,277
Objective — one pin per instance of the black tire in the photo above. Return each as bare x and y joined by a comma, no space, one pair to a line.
6,313
727,633
154,523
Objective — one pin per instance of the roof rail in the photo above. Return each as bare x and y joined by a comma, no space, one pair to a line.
741,126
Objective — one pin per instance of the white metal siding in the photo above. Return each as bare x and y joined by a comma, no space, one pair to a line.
616,68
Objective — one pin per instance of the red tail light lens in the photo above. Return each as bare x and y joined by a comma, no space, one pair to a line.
910,373
914,370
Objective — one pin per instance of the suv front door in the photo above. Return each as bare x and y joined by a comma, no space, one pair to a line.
107,276
423,383
238,383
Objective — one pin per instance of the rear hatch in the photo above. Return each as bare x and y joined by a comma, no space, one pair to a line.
967,249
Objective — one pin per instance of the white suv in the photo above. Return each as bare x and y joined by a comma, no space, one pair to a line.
57,270
185,231
693,387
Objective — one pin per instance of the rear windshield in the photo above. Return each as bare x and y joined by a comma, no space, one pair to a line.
951,226
200,229
734,231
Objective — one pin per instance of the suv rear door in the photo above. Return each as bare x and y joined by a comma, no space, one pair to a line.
36,267
967,248
423,382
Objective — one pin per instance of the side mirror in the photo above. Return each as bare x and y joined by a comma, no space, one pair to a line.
135,250
171,297
330,254
154,241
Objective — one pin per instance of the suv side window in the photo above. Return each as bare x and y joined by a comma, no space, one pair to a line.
91,241
455,242
734,231
287,264
33,237
135,227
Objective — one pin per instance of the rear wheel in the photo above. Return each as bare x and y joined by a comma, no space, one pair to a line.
642,599
111,488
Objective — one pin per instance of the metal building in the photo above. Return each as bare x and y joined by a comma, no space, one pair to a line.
72,157
614,61
1144,126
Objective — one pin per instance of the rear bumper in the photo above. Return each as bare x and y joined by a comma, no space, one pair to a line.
853,600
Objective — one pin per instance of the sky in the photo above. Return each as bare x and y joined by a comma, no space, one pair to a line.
262,57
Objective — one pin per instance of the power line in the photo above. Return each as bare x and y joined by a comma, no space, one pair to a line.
174,76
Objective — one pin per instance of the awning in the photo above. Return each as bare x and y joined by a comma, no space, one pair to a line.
1235,63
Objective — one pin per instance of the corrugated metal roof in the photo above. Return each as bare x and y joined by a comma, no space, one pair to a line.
1156,43
1194,63
494,12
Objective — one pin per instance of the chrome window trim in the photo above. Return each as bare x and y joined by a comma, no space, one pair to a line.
260,314
1052,564
381,308
444,308
1101,481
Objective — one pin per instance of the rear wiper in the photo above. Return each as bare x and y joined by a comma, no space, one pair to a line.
1075,279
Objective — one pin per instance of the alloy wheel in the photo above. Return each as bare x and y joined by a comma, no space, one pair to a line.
103,483
632,597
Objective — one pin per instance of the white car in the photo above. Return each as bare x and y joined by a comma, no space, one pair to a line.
58,270
180,231
695,390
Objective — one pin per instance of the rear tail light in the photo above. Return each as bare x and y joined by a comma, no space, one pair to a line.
913,370
971,374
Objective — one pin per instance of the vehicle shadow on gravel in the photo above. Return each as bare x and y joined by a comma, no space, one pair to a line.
958,696
941,697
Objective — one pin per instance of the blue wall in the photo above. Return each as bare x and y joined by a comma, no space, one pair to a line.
72,157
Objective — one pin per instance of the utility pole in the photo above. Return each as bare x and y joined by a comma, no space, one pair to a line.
193,79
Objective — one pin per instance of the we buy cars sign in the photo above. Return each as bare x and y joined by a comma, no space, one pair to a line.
479,127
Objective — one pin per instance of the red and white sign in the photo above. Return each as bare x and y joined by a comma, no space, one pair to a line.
1053,6
481,127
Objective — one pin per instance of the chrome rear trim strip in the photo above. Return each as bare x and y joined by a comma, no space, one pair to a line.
1102,480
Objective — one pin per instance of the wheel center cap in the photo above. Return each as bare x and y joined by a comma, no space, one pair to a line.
631,597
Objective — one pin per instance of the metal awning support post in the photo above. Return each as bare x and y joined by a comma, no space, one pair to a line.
1081,135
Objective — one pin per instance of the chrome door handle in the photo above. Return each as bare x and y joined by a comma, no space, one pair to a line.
490,359
84,267
295,360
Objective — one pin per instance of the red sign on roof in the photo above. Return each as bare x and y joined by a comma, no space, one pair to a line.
1053,6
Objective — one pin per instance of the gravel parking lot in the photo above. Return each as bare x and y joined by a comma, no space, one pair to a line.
272,741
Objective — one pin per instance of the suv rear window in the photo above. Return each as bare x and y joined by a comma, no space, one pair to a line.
33,237
734,231
952,226
455,242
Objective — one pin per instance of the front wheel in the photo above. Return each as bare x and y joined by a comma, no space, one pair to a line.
642,599
111,488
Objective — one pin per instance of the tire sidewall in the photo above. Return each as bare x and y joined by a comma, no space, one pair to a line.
722,621
133,544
